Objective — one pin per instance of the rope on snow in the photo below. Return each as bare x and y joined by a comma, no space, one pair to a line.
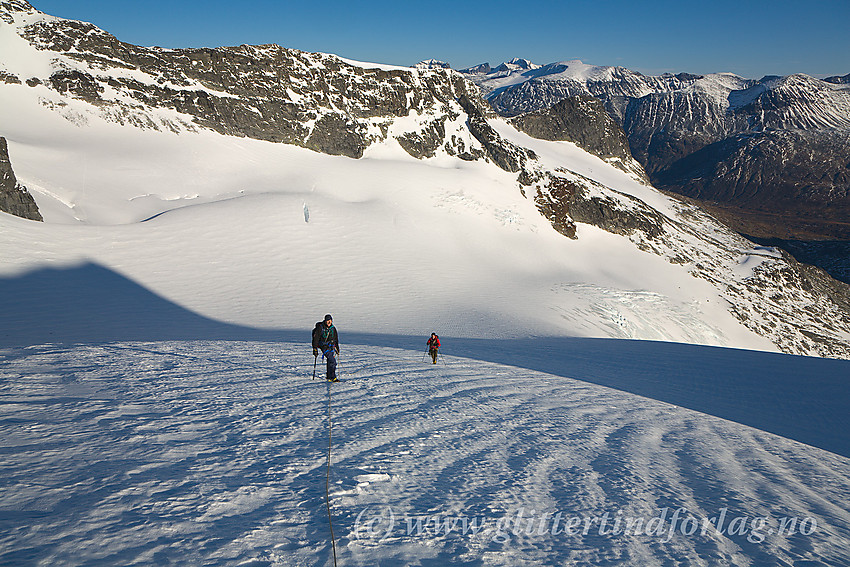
328,476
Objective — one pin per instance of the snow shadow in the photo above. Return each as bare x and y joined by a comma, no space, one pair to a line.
801,398
89,303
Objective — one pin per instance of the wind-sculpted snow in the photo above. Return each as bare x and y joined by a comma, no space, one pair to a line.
213,453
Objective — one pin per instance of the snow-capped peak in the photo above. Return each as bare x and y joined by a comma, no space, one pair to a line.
432,64
516,64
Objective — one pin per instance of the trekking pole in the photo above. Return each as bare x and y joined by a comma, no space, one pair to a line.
443,359
315,360
424,354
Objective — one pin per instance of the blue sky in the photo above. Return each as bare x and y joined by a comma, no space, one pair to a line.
752,38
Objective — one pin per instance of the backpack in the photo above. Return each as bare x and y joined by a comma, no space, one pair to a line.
317,334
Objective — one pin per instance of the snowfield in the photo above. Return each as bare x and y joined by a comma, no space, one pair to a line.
137,432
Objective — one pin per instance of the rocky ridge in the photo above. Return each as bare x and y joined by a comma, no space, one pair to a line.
266,92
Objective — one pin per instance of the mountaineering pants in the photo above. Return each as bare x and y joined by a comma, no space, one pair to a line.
433,353
330,355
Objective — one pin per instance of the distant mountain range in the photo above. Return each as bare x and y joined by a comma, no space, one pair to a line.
771,156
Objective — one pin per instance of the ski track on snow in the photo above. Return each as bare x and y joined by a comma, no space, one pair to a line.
213,453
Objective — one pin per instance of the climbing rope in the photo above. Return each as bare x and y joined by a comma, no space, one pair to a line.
328,477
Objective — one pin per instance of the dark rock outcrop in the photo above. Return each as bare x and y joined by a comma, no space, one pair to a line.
9,78
580,119
76,83
424,143
14,197
565,202
504,154
584,121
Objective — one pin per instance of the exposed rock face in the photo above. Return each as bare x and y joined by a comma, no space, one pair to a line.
505,155
798,167
582,120
272,93
14,197
9,78
424,144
